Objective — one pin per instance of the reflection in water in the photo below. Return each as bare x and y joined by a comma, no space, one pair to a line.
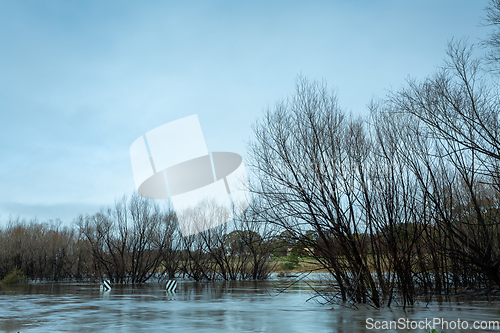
204,307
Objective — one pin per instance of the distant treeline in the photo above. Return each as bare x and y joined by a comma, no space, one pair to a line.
132,243
42,251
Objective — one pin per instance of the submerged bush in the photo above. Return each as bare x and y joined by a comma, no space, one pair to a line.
15,277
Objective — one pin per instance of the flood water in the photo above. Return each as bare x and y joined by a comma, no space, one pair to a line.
210,307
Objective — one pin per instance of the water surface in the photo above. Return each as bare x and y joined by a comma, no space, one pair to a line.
207,307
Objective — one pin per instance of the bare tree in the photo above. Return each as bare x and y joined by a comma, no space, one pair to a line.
236,250
453,150
306,158
493,40
129,242
42,251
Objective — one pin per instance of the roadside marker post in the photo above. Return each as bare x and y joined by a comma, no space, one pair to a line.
171,286
105,285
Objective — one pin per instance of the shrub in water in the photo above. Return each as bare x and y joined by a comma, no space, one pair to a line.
16,276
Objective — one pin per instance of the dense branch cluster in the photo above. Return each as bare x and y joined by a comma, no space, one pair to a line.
404,202
136,241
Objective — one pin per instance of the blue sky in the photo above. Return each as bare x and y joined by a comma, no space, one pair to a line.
81,80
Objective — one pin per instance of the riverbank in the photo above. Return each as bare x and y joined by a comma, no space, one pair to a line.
287,265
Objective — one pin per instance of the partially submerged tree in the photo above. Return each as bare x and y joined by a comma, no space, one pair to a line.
236,250
307,156
415,193
130,242
453,148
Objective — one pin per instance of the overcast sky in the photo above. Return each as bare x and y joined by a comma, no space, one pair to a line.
81,80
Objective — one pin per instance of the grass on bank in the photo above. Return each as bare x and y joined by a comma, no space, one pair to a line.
294,264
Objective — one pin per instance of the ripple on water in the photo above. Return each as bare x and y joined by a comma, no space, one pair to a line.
203,307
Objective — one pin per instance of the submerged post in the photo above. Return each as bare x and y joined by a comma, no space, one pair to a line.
105,285
171,285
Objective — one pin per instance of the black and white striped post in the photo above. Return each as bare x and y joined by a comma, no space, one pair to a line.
171,286
105,285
